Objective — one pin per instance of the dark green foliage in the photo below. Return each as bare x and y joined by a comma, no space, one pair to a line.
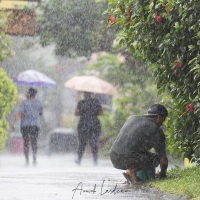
165,34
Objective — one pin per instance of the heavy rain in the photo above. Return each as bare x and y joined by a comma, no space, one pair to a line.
88,98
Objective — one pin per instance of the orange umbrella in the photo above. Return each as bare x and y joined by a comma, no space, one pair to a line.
91,84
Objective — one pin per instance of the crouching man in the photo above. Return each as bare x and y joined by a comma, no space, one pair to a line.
131,149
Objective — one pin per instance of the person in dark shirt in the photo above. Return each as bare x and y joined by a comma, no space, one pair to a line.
89,126
139,134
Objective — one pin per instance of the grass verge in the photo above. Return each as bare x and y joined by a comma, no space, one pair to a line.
180,181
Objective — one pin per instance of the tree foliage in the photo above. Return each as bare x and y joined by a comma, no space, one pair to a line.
7,101
4,39
165,34
7,88
76,27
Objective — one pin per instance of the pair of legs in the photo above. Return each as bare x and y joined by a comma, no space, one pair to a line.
146,166
84,138
30,135
134,162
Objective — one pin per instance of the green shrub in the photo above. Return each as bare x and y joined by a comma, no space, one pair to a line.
165,35
7,101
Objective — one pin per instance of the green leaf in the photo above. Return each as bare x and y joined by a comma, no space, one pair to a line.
191,47
151,5
176,25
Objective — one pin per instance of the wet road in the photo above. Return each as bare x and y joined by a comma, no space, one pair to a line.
58,178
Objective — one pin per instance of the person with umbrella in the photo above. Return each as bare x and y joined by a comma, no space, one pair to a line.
29,113
89,126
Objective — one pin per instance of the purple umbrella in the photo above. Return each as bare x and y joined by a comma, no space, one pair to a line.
33,78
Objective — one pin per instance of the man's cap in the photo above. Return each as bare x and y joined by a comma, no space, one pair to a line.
157,109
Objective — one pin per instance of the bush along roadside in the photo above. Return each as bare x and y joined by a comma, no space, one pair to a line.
165,35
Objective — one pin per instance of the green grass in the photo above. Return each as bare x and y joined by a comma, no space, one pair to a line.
180,181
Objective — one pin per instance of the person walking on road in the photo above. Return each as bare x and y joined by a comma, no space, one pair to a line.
131,149
89,126
30,111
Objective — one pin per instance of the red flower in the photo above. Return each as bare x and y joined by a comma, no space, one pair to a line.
189,107
157,17
177,64
112,19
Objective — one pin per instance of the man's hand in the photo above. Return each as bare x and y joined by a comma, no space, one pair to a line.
162,175
163,166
